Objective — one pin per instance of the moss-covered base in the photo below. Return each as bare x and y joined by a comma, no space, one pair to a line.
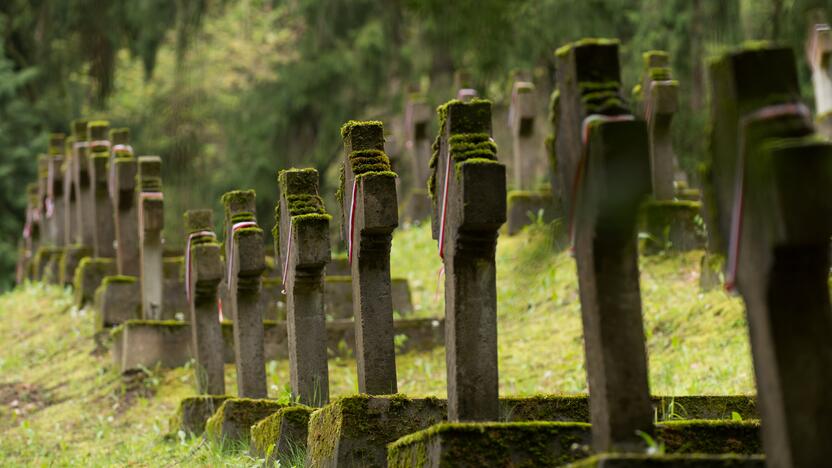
88,276
525,208
354,431
281,435
672,226
194,411
526,444
148,343
541,443
234,418
682,461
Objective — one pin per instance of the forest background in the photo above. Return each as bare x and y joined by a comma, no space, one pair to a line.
229,91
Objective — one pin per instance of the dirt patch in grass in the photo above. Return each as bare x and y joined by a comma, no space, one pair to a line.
21,399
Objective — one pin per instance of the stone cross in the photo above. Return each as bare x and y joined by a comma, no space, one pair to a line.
660,94
302,247
151,221
103,228
245,263
469,207
768,174
521,121
203,273
55,209
417,142
370,215
604,153
122,187
81,185
72,205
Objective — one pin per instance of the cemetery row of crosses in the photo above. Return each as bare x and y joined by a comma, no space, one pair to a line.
95,221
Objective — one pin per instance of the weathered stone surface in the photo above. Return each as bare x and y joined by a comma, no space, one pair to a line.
126,216
526,148
69,261
469,187
245,265
604,153
151,216
417,144
174,302
118,300
194,412
204,271
354,431
103,228
233,420
777,243
302,244
370,211
282,435
88,277
148,343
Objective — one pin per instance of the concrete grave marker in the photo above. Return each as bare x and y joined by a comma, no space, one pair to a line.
203,273
81,185
245,262
604,153
150,223
772,220
469,194
103,229
71,233
55,207
302,245
122,187
521,121
417,143
660,98
370,216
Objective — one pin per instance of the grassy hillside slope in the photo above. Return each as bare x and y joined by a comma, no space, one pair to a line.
61,403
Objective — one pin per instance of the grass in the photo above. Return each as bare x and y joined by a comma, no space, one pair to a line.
63,404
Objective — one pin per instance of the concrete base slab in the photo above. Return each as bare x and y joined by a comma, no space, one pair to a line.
538,443
69,261
194,411
354,431
672,226
338,298
88,277
148,343
117,300
524,208
233,420
282,435
624,460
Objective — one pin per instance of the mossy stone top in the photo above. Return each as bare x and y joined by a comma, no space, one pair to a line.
150,173
98,130
120,136
79,129
237,203
199,220
56,143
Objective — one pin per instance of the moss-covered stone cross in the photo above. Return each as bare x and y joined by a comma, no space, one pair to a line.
151,221
103,229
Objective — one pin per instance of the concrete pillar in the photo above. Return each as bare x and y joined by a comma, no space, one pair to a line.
122,186
521,121
151,218
103,228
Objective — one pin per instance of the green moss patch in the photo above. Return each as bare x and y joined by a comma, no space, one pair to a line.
194,411
234,418
701,436
282,433
629,460
492,444
355,430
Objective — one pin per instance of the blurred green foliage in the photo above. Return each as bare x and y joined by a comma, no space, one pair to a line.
227,92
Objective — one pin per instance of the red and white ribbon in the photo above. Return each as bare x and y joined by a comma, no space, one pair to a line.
768,112
287,252
142,197
351,226
582,163
230,260
188,268
444,206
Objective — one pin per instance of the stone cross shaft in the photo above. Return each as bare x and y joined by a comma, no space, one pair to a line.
469,208
525,147
82,185
55,209
103,228
768,174
417,141
245,262
203,273
302,247
370,213
151,221
125,212
660,93
604,153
